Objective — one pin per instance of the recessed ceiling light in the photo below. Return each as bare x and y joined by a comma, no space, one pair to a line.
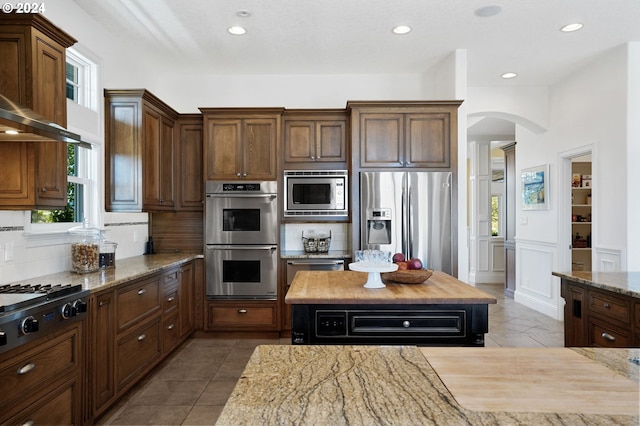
401,29
508,75
243,13
571,27
488,11
237,30
11,132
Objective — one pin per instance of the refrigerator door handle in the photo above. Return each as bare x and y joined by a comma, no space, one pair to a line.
409,224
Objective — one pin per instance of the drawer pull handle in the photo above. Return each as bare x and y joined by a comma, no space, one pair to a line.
607,306
26,368
608,337
170,327
242,311
142,291
142,337
406,324
171,299
29,423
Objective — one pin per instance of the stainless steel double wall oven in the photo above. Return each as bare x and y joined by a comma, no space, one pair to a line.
241,237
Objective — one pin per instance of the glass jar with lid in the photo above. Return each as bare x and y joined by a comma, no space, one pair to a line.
85,249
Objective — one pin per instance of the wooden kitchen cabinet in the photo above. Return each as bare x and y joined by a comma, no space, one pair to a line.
241,143
32,74
405,134
133,327
42,382
242,315
139,152
315,136
188,154
598,317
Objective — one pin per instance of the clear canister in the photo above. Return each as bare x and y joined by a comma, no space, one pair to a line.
108,254
85,249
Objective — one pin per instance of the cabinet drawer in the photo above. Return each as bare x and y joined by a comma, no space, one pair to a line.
170,278
606,335
610,306
242,316
57,407
137,300
170,333
35,368
170,299
136,351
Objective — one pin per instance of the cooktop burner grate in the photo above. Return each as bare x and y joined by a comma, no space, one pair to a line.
51,290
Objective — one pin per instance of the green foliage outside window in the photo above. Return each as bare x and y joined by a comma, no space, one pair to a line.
495,214
72,212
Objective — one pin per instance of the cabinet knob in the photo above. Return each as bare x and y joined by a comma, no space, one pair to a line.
170,327
171,299
607,306
406,324
238,174
142,291
29,422
242,311
313,158
244,175
44,189
26,368
608,337
142,337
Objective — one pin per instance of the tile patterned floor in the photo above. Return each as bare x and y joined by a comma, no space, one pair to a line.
192,385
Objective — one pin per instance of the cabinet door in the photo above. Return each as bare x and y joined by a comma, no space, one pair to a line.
381,140
157,160
331,140
187,300
189,178
575,315
101,355
17,181
259,151
299,141
49,100
427,140
223,149
123,151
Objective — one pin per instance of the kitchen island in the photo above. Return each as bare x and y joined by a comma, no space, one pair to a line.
397,385
335,308
601,308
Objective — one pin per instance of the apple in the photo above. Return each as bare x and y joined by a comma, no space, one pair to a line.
414,264
398,257
402,266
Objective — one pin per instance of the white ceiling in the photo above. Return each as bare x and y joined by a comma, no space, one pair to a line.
354,36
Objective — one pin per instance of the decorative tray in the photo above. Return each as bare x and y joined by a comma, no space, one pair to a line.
407,276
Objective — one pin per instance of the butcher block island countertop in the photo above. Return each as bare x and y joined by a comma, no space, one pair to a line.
403,385
347,287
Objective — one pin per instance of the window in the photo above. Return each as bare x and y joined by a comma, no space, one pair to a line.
81,76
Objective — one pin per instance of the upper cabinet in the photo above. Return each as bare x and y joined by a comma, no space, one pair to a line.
315,136
188,149
32,74
405,134
139,152
241,143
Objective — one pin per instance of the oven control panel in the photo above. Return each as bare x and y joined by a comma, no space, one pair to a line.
241,187
331,323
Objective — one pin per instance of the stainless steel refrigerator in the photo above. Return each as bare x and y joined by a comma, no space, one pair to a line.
410,213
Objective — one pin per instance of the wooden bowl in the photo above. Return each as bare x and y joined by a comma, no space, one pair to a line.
408,276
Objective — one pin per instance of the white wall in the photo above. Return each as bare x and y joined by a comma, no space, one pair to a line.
633,154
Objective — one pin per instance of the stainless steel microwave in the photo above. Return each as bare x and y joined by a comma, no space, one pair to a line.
316,193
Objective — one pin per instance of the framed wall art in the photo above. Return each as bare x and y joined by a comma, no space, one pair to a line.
535,188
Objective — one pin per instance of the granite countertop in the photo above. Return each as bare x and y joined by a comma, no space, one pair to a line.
346,287
301,254
126,270
372,385
627,283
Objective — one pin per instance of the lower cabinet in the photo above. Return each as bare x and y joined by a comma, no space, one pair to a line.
241,315
42,383
597,317
133,327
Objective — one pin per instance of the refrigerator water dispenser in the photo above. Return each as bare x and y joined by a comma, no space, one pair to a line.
378,226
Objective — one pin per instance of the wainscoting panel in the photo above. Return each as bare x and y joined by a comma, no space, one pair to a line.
535,286
608,260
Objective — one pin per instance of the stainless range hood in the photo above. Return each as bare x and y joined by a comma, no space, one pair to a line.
20,124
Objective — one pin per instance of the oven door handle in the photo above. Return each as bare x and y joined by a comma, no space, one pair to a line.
231,247
328,263
271,196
